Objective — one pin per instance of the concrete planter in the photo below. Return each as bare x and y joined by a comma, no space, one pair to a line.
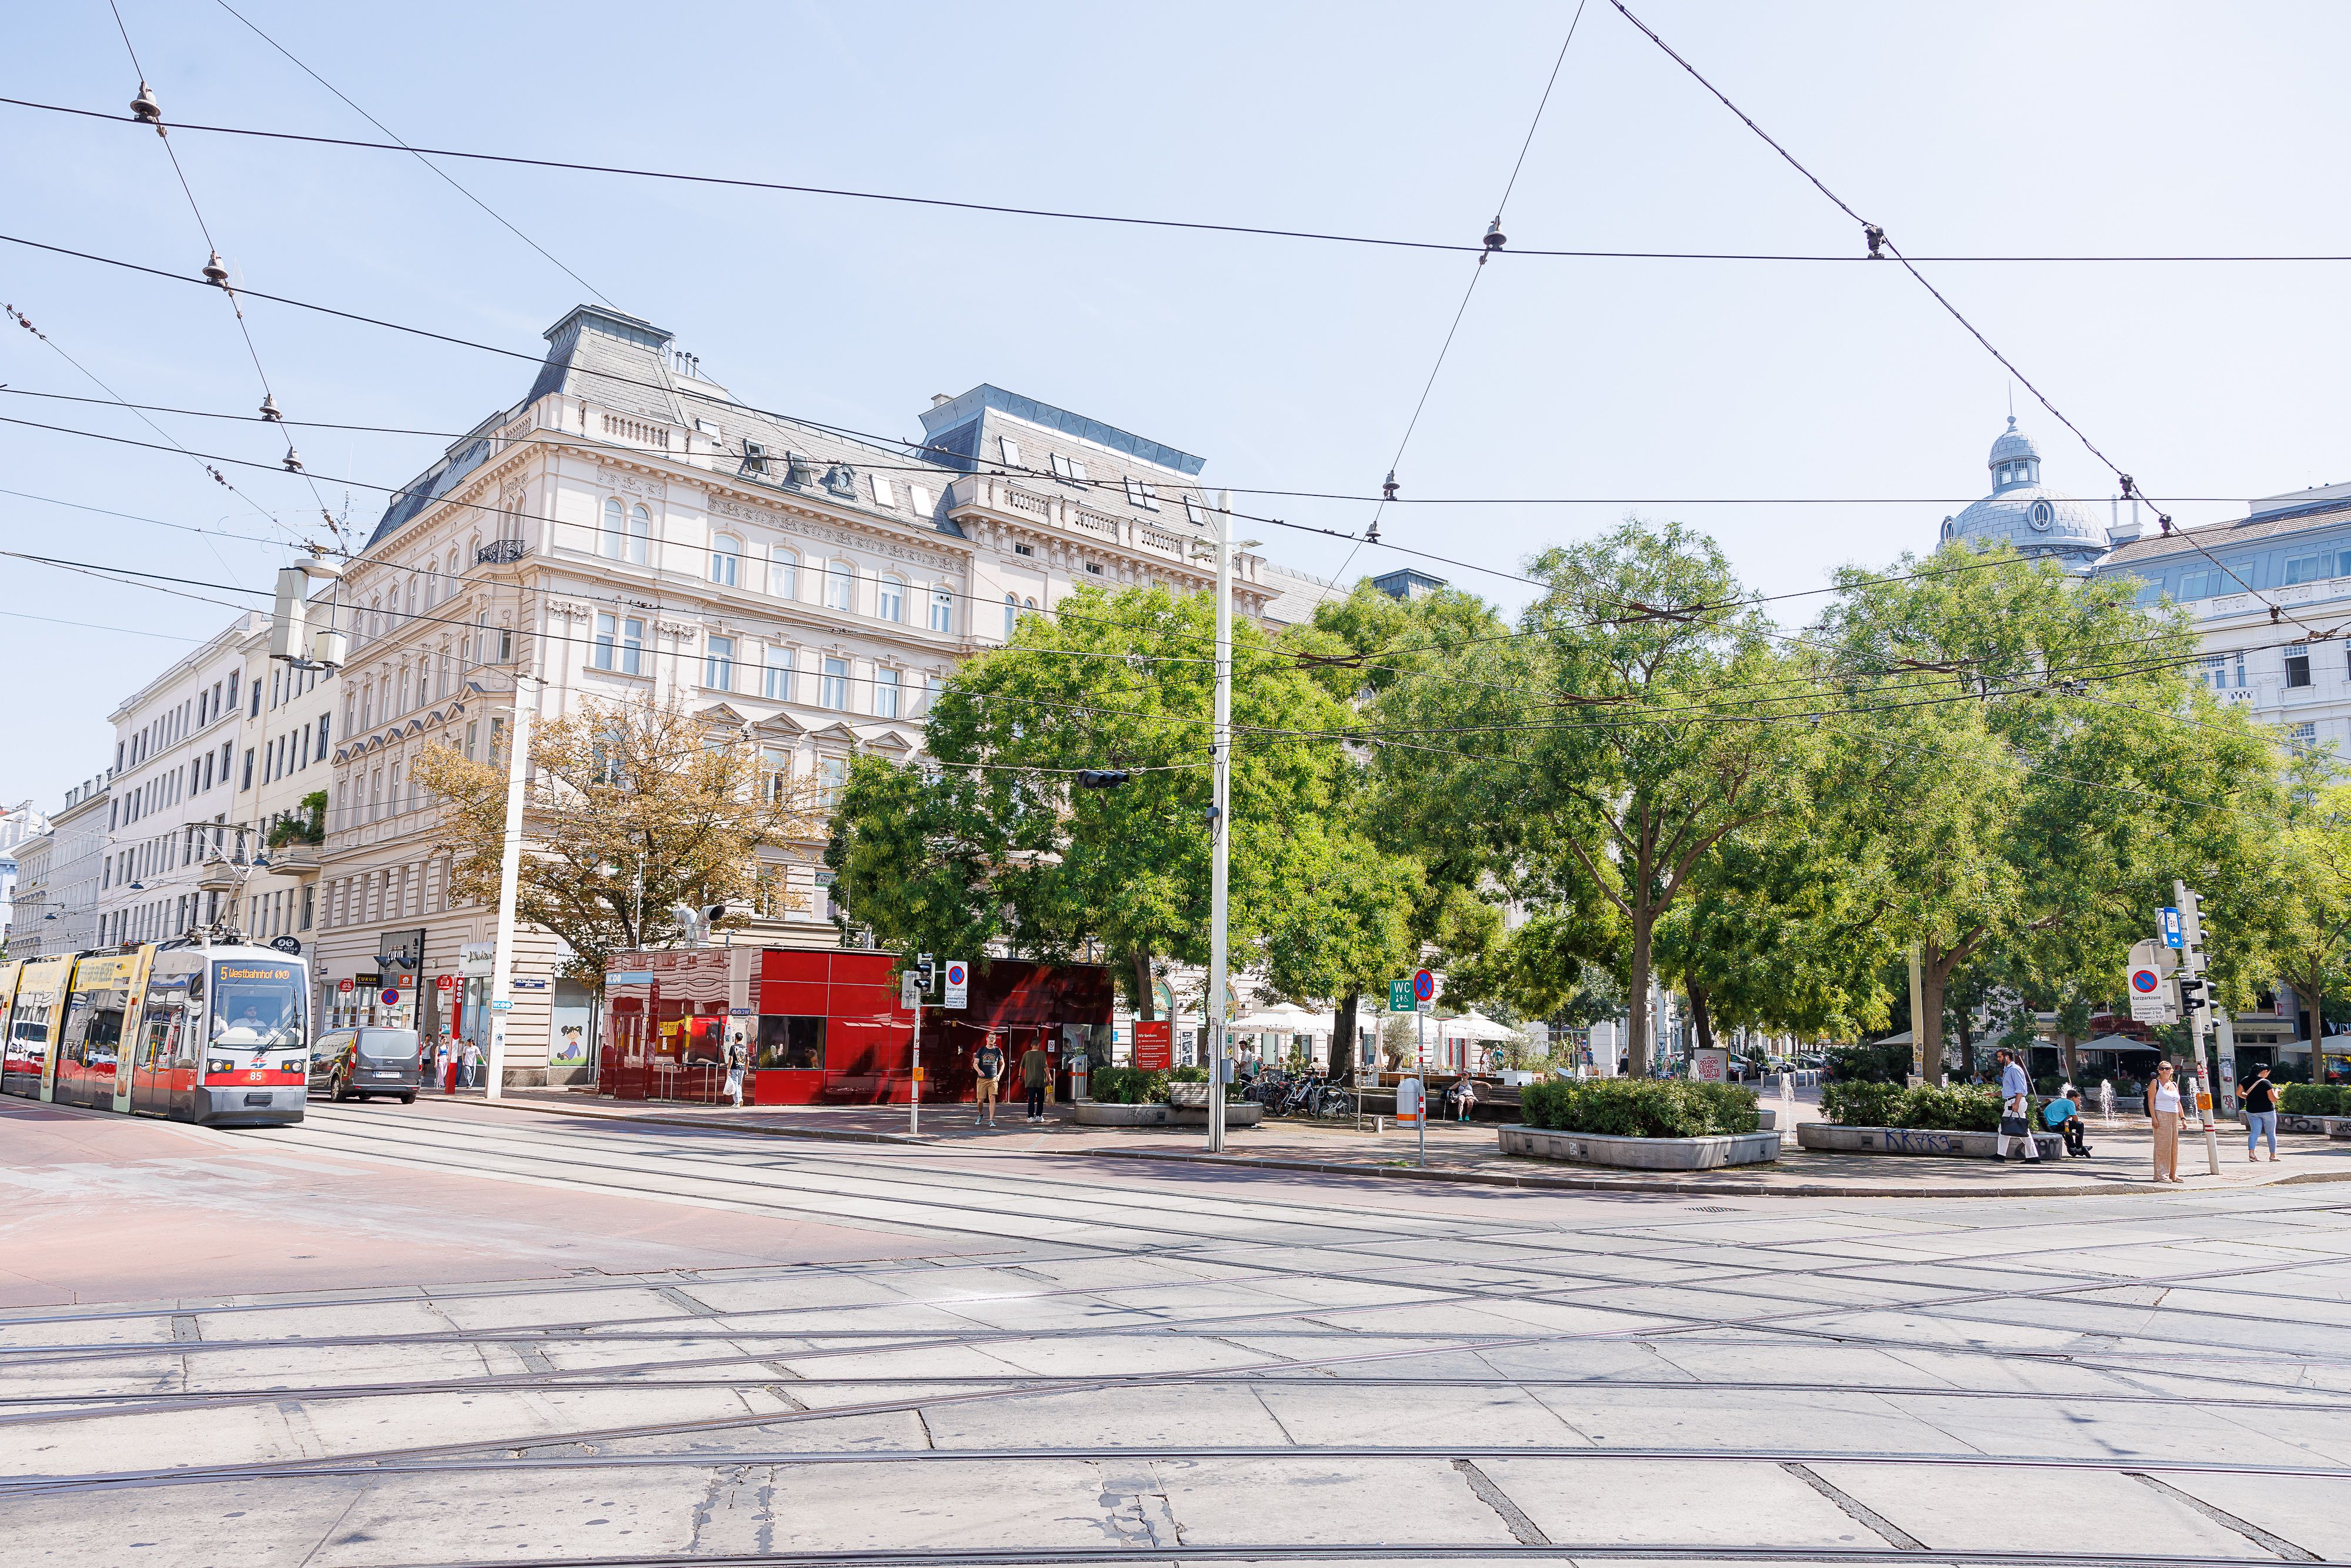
1239,1113
1828,1136
2325,1126
1102,1114
1189,1096
1641,1154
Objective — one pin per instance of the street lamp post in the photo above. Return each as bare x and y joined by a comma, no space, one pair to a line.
1221,822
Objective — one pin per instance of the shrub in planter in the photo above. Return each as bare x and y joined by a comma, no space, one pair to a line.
2311,1099
1931,1108
1869,1063
1193,1075
1638,1108
1970,1108
1127,1086
1851,1105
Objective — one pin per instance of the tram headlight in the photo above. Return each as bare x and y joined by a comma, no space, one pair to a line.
220,1064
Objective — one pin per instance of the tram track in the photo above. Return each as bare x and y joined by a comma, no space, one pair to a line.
2127,1363
465,1459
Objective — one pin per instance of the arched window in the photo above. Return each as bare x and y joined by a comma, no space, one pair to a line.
412,596
891,605
784,572
942,609
613,544
1011,613
449,575
726,560
840,584
641,530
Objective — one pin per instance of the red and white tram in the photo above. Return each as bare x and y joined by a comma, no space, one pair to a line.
202,1030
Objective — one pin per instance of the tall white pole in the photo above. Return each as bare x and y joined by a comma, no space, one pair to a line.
1220,824
2207,1091
509,874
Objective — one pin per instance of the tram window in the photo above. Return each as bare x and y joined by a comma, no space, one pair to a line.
796,1044
257,1004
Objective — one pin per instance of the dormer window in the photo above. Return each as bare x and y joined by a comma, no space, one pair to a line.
755,459
841,480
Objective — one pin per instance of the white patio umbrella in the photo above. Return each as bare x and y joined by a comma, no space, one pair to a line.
1475,1025
1282,1018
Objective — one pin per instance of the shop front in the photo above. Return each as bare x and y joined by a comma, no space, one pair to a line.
823,1025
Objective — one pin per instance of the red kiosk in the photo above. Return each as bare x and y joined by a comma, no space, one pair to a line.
822,1026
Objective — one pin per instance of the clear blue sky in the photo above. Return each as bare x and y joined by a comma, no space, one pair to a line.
2142,126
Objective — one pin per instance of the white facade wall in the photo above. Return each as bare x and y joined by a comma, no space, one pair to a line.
177,773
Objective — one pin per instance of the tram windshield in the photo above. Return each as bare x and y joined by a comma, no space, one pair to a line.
256,1003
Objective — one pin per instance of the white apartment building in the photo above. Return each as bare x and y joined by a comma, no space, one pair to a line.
175,786
56,899
283,751
628,529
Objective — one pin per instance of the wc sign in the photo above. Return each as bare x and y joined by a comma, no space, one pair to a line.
958,984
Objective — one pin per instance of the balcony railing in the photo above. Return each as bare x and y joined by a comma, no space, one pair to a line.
502,553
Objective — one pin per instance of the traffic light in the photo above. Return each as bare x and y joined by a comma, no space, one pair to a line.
2195,991
922,966
1101,778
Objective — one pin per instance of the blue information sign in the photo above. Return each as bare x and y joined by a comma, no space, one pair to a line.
2173,935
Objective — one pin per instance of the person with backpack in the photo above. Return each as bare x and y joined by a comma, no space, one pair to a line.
735,1065
2260,1099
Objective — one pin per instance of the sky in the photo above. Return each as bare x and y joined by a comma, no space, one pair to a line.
1667,389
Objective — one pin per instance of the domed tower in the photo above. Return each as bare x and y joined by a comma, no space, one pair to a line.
2021,511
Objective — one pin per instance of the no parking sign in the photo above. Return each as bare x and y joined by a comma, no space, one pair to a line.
958,984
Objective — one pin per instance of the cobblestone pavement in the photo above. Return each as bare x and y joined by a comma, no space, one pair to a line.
970,1352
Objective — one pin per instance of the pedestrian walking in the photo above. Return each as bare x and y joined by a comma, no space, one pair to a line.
2163,1108
987,1074
473,1064
449,1063
1032,1077
2015,1107
2260,1099
734,1064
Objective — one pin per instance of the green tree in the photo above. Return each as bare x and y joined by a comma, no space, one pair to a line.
2308,906
1346,928
1599,757
994,839
2025,769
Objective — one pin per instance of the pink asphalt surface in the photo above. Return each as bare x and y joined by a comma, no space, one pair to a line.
99,1208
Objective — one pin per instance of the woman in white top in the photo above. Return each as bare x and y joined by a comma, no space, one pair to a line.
2163,1104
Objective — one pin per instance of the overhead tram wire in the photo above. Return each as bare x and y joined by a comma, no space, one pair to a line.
1797,640
116,400
1137,221
149,113
499,217
1354,735
1492,244
1878,241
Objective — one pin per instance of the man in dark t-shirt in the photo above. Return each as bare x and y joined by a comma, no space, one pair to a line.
987,1067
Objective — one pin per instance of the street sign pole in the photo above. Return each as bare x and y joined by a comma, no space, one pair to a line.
2191,922
915,1105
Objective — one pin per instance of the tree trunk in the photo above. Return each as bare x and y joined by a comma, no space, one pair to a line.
1342,1036
1927,1033
1637,979
1699,1018
2069,1060
1144,997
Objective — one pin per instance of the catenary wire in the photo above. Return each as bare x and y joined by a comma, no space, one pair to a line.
1388,242
499,217
1878,237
